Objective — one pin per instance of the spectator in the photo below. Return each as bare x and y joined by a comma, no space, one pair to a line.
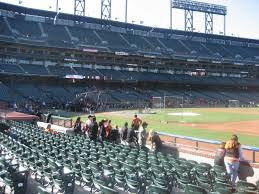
4,127
114,136
142,135
108,129
93,131
49,119
220,154
131,137
155,140
232,157
78,125
136,122
7,130
15,107
123,133
48,128
101,131
88,124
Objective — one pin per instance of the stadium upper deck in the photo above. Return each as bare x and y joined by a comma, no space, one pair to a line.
71,44
26,25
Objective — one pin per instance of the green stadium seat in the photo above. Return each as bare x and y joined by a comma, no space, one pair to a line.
194,189
106,190
42,190
155,189
244,185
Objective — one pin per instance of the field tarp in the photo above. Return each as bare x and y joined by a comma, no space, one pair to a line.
17,116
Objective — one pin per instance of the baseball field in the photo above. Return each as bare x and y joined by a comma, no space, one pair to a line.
207,123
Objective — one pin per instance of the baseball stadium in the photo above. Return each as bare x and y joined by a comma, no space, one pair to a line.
103,105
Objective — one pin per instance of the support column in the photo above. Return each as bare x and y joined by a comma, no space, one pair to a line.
208,23
188,20
106,9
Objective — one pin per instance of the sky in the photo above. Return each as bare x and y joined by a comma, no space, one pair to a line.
242,18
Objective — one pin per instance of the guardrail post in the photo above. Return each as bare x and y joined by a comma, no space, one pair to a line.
197,145
254,156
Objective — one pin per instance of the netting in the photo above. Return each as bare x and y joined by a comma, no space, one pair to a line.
173,102
157,103
233,103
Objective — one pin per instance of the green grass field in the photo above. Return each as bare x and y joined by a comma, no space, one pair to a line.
187,125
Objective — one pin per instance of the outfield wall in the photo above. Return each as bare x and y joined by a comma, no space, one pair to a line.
205,147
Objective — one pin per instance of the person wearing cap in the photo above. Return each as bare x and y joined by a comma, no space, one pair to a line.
142,134
136,122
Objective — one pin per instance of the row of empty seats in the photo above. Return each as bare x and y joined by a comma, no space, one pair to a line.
67,36
59,162
121,75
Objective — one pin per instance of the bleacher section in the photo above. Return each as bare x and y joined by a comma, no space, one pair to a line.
127,40
33,44
4,30
34,69
67,163
26,29
10,68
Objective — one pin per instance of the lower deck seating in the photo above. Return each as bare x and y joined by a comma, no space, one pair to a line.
58,162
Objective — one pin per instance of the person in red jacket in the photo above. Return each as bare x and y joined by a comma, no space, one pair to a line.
136,122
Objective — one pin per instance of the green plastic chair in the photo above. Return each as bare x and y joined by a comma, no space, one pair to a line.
194,189
155,189
42,190
244,185
107,190
246,192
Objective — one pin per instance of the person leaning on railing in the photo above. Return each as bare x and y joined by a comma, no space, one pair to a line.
232,157
156,143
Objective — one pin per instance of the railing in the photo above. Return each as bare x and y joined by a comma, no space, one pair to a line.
207,146
60,121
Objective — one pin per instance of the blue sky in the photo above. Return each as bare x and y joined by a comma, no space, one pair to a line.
242,19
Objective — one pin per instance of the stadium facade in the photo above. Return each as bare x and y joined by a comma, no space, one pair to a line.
52,60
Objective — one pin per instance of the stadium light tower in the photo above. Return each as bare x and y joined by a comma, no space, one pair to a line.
57,6
106,9
126,11
79,7
190,6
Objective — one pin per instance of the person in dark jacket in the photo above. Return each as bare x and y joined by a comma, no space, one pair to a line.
49,118
131,137
93,130
101,131
220,154
123,133
4,127
78,125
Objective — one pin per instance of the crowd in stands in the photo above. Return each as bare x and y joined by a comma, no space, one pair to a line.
134,135
47,147
228,155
